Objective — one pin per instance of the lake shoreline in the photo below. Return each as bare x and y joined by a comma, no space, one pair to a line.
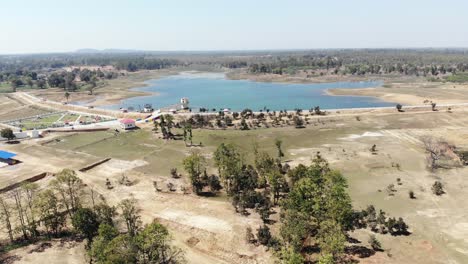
135,83
231,94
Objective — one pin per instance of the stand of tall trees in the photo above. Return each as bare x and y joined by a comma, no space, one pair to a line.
37,214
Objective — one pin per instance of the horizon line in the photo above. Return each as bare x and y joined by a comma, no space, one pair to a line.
130,51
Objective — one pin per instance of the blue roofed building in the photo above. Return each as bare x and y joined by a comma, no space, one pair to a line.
6,157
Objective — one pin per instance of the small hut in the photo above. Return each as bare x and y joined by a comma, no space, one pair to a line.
127,123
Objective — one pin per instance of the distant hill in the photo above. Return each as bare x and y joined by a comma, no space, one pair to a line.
84,51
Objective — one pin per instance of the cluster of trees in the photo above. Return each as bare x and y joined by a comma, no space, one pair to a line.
362,62
48,208
318,213
148,244
19,78
46,213
316,210
145,63
195,166
68,80
234,64
50,62
166,123
379,222
247,119
63,79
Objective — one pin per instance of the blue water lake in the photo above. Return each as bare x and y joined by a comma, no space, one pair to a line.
213,90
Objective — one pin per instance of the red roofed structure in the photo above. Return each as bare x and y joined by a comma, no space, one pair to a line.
127,123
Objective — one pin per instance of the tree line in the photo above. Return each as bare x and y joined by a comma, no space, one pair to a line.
31,214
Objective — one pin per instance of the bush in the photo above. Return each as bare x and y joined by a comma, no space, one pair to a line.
438,188
264,235
399,107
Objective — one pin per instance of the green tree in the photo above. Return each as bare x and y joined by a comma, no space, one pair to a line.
265,165
130,214
331,239
229,162
297,173
106,233
169,122
121,250
326,259
67,95
194,165
296,228
49,211
317,206
105,213
29,82
290,256
7,133
5,216
69,187
243,125
41,83
18,196
153,245
277,183
30,193
278,144
86,222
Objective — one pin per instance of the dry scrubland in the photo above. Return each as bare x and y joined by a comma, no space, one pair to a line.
111,92
209,230
411,92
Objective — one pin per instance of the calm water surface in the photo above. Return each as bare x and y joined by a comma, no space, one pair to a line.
212,90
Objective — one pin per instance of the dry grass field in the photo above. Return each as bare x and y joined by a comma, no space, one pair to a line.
210,231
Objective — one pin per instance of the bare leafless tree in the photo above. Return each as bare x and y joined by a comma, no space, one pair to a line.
438,150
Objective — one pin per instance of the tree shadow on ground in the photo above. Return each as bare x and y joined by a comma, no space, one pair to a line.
359,251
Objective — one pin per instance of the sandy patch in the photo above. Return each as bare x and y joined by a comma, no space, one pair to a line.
431,213
365,134
199,221
116,166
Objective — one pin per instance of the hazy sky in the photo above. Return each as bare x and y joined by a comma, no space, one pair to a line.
28,26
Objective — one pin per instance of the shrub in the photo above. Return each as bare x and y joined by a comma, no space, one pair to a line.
264,235
438,188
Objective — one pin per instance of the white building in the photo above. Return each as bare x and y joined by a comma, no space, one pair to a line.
127,123
148,108
184,103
